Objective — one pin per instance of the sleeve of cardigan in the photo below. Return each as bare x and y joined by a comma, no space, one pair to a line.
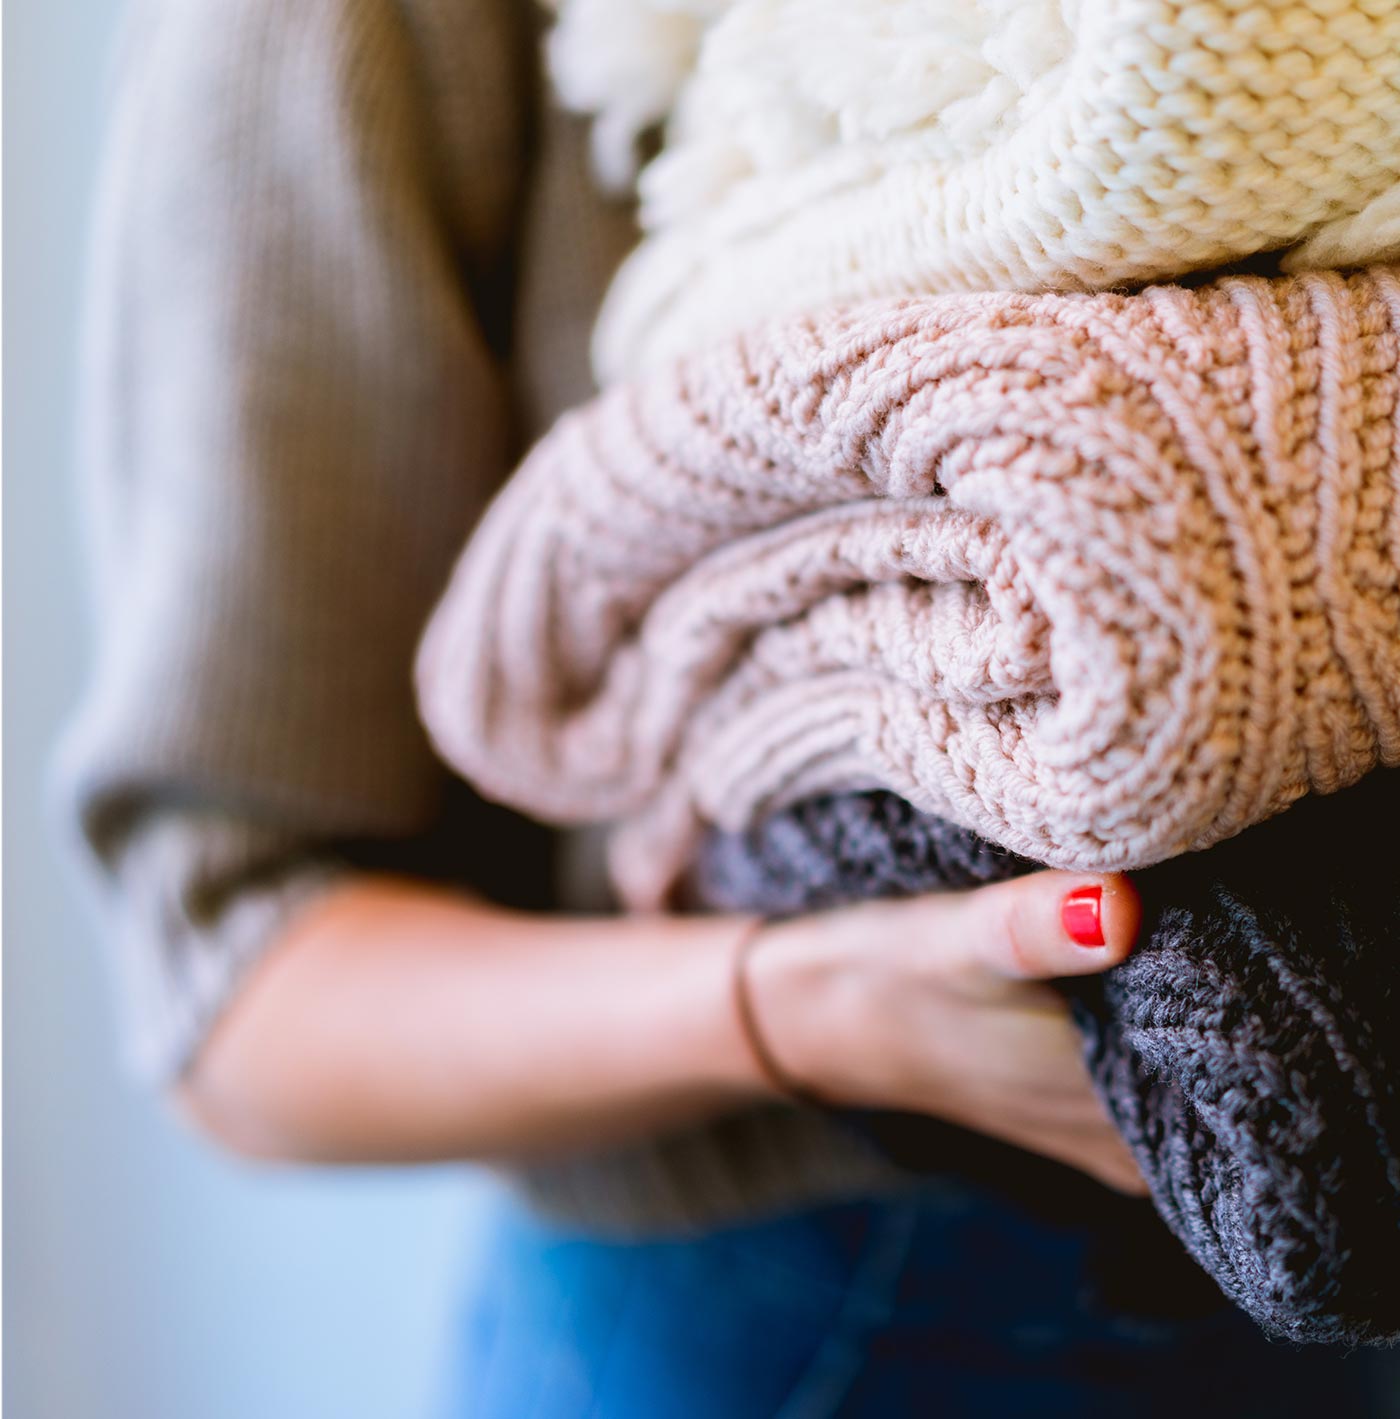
291,418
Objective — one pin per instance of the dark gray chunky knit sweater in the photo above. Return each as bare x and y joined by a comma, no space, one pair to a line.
1247,1050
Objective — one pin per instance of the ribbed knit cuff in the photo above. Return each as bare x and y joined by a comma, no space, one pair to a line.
189,906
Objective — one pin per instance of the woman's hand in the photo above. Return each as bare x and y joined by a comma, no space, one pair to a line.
939,1005
395,1022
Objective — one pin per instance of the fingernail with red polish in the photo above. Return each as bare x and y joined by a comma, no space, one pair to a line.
1082,916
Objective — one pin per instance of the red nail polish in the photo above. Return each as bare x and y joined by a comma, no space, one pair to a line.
1082,916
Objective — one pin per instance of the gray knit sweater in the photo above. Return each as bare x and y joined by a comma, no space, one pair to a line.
344,265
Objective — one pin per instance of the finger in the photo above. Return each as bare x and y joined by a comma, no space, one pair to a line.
1090,1143
1120,1172
1106,1159
1021,930
1113,1164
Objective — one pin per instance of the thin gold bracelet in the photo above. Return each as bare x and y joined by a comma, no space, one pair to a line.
778,1079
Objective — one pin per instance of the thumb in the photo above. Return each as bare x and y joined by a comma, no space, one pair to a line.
1045,925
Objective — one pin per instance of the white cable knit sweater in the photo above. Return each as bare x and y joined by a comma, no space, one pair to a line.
819,150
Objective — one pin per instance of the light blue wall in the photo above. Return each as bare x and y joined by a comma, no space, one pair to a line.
144,1278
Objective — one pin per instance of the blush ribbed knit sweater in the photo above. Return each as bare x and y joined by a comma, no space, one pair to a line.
1105,579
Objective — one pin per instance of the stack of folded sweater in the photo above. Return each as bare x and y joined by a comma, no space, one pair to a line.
924,564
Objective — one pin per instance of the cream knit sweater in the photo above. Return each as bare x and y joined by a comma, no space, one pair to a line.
819,150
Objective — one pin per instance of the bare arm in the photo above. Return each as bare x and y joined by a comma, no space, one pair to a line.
396,1022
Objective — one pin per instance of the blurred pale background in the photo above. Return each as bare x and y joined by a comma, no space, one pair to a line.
144,1277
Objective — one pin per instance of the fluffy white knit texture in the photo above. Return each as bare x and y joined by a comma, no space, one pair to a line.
822,150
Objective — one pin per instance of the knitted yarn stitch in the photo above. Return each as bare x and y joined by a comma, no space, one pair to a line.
1246,1050
821,151
1103,578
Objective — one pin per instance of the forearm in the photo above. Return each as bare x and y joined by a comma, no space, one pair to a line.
394,1022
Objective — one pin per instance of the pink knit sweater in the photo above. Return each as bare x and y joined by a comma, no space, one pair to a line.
1104,578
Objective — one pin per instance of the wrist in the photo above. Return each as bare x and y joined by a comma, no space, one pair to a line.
807,992
729,1061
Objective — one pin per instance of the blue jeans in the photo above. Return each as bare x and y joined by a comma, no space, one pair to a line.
947,1303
